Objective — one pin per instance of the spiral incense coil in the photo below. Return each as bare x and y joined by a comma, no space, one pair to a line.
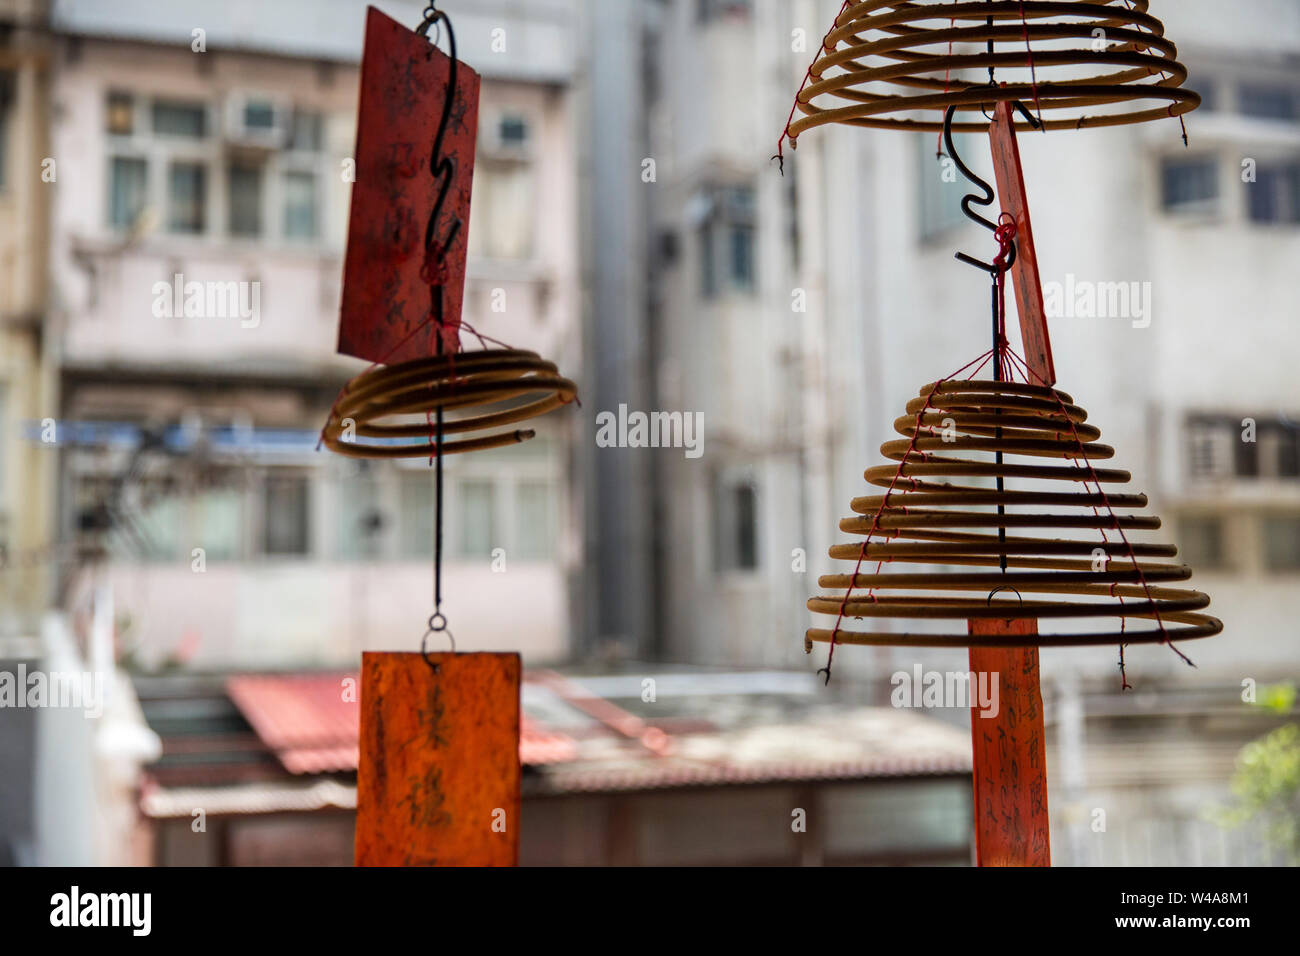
892,65
476,391
924,519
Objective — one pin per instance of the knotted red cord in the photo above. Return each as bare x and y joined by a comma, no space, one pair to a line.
807,75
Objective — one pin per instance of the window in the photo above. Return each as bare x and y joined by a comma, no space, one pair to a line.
1219,448
415,494
792,220
300,205
6,107
478,535
4,440
1245,458
1200,542
1277,454
1208,446
534,520
187,197
1267,101
259,115
512,132
159,527
1286,449
218,514
245,194
502,224
127,191
1282,542
284,515
727,240
939,185
736,517
361,516
306,134
119,116
180,119
1274,196
709,10
1209,90
1190,185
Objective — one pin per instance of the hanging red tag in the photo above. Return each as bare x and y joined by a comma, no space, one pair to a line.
1009,747
385,314
438,777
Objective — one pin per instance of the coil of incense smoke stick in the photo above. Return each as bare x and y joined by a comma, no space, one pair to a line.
891,65
475,391
923,520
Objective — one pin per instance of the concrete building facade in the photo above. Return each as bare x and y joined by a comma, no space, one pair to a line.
211,146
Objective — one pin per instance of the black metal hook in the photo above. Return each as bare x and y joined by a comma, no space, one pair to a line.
442,168
987,190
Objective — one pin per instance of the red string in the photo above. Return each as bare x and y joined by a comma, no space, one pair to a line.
378,362
1101,492
1005,234
1033,73
947,75
1182,125
884,503
785,133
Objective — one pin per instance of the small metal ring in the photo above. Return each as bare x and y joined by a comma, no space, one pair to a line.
437,625
1004,587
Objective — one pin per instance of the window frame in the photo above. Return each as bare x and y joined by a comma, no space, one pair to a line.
160,151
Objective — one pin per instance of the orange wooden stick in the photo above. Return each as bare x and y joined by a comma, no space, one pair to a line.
1010,767
438,779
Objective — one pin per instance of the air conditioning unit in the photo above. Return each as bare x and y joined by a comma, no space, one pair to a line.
257,122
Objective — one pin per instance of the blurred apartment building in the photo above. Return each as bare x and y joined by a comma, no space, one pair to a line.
210,143
207,537
624,179
26,393
162,501
800,312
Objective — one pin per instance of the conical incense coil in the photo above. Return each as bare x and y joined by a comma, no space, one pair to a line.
892,65
475,391
924,519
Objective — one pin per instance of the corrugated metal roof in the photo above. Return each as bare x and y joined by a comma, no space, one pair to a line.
181,802
312,722
670,774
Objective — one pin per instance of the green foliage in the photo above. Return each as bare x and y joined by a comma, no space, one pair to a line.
1266,783
1279,698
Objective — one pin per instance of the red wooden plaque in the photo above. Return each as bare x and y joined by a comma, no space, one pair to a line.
438,779
1010,765
385,300
1024,274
